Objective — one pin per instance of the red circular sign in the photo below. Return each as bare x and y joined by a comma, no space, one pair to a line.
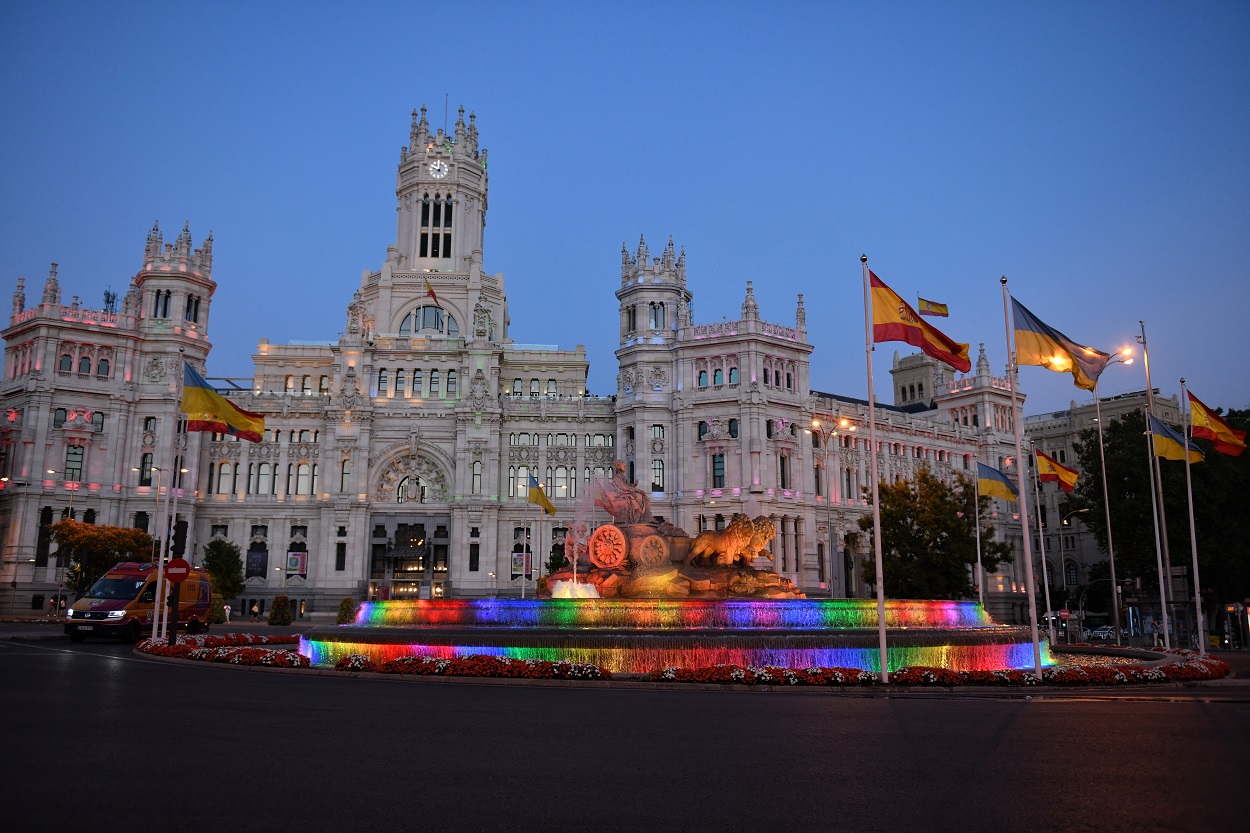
177,570
1063,614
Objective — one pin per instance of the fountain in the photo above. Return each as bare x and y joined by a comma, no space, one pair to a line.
640,596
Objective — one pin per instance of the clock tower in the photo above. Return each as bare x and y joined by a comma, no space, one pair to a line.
441,193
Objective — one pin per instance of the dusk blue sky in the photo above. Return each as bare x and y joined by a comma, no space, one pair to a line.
1097,154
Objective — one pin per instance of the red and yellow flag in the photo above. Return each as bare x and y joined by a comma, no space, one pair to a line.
1051,470
933,308
429,290
1211,426
893,319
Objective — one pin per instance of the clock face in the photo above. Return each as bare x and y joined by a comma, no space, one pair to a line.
438,169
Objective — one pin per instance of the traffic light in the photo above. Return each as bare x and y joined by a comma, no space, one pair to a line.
180,537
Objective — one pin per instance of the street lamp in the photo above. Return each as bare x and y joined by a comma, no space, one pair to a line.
826,433
1124,356
69,488
157,508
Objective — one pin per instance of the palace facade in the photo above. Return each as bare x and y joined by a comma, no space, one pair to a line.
396,458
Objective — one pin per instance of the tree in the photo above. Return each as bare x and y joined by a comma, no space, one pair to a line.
280,611
93,550
224,563
928,534
1221,488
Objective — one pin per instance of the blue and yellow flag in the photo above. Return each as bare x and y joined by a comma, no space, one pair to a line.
537,496
1046,347
208,410
993,483
1170,445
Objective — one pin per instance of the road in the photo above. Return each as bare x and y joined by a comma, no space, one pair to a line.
96,735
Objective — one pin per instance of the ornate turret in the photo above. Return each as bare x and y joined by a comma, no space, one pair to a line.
750,309
19,297
179,254
52,289
130,304
800,316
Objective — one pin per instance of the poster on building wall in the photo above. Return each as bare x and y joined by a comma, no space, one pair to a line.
297,564
520,564
257,563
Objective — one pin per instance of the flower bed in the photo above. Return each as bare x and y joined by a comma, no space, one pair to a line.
477,666
1194,667
247,649
232,648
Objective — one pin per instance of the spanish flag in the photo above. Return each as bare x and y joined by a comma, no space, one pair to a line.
537,496
933,308
893,319
992,482
1170,445
1209,425
1049,469
1046,347
207,410
429,290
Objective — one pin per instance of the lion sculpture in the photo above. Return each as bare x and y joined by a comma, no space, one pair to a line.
737,544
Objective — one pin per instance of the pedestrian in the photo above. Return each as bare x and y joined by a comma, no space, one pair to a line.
255,613
62,608
1158,631
226,609
52,608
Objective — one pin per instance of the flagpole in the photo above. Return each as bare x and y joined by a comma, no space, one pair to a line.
1023,495
876,498
1106,504
1193,535
976,503
1041,541
1163,518
1154,510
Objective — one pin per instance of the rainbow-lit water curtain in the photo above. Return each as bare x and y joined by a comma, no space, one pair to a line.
643,635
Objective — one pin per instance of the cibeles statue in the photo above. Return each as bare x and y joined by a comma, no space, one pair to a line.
624,501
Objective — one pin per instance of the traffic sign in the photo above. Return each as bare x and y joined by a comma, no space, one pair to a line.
1065,613
177,570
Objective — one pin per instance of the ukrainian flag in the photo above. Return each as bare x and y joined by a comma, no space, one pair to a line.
537,496
992,482
1170,445
1038,344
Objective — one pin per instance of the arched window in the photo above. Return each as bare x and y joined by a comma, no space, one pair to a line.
920,388
102,368
430,321
225,473
733,375
702,429
67,363
451,382
264,479
1069,573
399,382
789,382
718,377
733,428
703,378
383,382
303,479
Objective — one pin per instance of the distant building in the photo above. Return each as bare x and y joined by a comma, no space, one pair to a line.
396,457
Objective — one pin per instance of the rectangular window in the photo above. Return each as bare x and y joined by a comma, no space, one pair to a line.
340,556
220,529
657,475
474,557
657,432
260,531
416,382
399,382
433,383
718,471
73,463
145,469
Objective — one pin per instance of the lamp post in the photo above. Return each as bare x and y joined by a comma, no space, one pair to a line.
1062,523
1122,357
60,580
1162,556
826,433
69,489
157,508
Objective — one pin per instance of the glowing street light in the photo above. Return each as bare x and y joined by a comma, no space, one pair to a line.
1124,356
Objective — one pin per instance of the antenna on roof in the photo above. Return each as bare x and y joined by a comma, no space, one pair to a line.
446,97
110,301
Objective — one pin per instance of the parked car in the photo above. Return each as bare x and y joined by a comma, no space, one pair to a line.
1106,632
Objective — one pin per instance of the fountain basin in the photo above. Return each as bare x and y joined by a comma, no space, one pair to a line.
635,636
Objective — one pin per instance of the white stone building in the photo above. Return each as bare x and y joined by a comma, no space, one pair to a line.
396,458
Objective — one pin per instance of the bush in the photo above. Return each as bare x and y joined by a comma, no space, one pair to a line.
280,611
217,610
347,611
